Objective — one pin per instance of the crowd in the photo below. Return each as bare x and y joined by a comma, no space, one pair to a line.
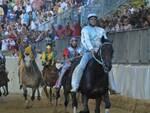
128,19
25,19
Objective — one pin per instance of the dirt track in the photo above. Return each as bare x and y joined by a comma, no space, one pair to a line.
15,104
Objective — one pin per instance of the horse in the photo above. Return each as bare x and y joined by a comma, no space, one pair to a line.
3,80
50,76
31,78
94,82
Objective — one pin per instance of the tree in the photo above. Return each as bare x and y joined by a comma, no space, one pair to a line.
137,3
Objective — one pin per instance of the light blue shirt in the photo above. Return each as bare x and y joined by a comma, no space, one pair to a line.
91,37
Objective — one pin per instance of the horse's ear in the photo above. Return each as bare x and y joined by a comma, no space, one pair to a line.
103,39
106,40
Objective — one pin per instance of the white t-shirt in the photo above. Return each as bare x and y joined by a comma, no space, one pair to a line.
28,8
5,44
1,2
64,5
15,8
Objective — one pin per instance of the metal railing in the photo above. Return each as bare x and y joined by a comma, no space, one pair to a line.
101,8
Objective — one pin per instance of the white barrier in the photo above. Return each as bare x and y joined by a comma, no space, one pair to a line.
132,81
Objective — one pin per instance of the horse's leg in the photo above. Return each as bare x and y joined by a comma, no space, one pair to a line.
107,102
85,104
45,90
57,95
6,89
50,95
98,102
33,94
66,97
74,102
0,92
38,97
25,92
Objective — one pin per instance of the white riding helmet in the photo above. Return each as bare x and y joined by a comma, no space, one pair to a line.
91,15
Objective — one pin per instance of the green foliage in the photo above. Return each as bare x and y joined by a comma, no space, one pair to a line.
137,3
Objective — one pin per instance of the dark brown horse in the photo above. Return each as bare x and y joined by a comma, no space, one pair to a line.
3,80
94,82
50,76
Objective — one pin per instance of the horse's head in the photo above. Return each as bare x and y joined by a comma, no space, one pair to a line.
106,54
27,60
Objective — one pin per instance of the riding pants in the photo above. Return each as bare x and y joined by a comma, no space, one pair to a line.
61,74
77,73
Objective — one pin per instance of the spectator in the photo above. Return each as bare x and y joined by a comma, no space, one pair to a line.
18,13
126,25
28,7
60,32
76,29
68,31
5,8
1,13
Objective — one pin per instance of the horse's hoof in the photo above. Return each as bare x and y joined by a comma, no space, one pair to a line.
32,98
39,98
5,94
28,104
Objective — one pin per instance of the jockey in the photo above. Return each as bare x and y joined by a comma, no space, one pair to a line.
26,49
91,36
48,56
70,53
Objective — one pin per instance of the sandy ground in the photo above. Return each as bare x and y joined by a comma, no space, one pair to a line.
16,104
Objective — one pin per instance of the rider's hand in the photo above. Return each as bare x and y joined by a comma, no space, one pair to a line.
69,62
92,51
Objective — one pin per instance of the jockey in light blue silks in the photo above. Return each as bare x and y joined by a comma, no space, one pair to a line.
90,40
70,54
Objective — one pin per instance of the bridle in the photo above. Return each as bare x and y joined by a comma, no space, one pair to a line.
101,61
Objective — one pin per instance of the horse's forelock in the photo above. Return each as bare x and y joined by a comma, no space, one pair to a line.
27,60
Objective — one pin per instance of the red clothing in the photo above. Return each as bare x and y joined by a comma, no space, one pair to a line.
68,31
77,30
12,36
60,33
66,53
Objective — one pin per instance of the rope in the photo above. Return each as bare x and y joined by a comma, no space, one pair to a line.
98,61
